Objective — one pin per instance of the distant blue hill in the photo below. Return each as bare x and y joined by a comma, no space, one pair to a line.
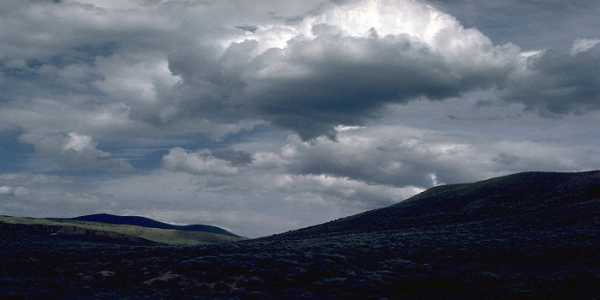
149,223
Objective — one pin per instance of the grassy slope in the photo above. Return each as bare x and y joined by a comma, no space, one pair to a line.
164,236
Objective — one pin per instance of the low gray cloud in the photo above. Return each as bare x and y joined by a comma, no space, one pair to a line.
559,82
403,156
13,191
73,151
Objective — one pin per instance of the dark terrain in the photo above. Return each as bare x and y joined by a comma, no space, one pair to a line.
524,236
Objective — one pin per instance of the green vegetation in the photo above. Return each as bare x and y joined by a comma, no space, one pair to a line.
163,236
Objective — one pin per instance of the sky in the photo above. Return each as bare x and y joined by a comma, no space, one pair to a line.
265,116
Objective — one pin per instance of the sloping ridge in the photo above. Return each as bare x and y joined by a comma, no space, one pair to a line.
29,232
527,199
149,223
88,229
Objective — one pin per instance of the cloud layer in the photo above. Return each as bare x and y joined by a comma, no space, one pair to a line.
267,115
136,66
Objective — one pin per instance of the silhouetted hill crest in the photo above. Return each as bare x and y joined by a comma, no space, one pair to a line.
522,198
150,223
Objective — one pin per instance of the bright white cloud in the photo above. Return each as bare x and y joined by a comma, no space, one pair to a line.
79,143
13,191
135,79
5,190
366,18
583,45
345,190
202,162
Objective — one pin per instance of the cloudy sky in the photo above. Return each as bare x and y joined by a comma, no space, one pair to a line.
264,116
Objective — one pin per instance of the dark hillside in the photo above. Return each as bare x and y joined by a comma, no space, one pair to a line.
525,198
524,236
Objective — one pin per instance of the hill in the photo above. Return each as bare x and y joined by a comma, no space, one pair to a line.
524,236
91,231
149,223
527,199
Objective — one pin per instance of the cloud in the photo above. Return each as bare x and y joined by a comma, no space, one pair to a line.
531,24
101,68
41,195
72,152
141,82
202,162
13,191
583,45
453,150
252,202
342,63
343,190
396,156
46,29
156,69
557,82
80,143
291,183
326,64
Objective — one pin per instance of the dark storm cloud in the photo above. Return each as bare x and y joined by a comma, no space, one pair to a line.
338,63
559,82
310,85
340,87
323,70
